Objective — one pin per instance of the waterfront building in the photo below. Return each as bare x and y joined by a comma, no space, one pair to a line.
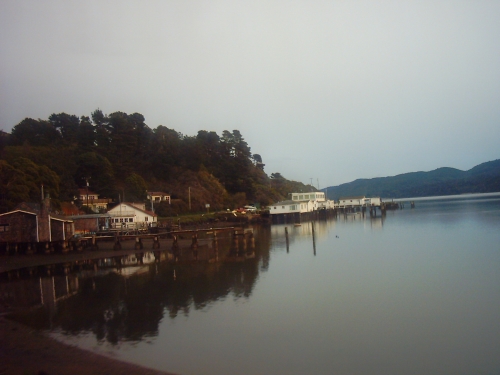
34,223
131,215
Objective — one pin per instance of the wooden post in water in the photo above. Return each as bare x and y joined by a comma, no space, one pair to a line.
216,247
140,257
156,242
94,243
117,245
29,249
215,242
138,243
252,241
286,238
314,240
236,247
175,248
194,241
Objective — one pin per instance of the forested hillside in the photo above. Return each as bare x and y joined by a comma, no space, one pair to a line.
119,156
483,178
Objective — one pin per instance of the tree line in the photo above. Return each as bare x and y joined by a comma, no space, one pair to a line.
121,157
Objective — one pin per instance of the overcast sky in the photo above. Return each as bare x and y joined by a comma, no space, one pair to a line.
328,90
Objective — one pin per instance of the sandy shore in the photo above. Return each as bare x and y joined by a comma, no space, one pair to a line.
24,351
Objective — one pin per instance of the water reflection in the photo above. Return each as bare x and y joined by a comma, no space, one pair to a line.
124,298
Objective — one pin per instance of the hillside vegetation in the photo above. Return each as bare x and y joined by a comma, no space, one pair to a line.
483,178
121,157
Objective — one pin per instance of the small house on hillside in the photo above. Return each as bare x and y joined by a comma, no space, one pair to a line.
158,196
131,215
92,200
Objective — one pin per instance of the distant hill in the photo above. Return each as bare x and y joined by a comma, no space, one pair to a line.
483,178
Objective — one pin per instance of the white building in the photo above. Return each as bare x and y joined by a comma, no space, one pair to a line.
359,201
301,203
373,202
351,201
327,205
313,196
132,215
285,207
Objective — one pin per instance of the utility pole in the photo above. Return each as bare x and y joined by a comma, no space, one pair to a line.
189,197
311,183
87,202
151,198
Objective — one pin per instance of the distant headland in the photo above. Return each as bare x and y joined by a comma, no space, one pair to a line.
483,178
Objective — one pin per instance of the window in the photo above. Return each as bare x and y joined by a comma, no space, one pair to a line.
4,227
146,218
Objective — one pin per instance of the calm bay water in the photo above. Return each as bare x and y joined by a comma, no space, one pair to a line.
414,292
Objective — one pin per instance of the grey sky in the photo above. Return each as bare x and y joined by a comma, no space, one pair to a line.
329,90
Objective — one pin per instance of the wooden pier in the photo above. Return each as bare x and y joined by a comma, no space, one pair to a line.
126,240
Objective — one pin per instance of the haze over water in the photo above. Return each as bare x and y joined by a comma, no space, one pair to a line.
415,292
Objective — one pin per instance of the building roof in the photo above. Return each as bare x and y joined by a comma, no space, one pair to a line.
22,211
150,213
60,218
157,193
52,215
356,197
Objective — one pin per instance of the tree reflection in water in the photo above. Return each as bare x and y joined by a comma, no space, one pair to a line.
125,298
